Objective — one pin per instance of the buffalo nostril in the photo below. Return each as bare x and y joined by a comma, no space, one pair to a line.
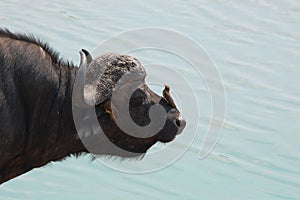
181,123
178,122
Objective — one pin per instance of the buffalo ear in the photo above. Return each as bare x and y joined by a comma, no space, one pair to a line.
88,56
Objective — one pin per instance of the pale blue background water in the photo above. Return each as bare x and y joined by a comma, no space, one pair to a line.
256,46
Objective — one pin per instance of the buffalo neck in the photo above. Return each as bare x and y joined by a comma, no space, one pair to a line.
50,131
50,122
66,140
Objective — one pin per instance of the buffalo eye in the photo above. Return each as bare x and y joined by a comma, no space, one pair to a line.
137,98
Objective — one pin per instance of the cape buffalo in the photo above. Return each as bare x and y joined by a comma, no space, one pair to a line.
37,121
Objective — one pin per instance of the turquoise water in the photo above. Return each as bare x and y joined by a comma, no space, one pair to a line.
256,47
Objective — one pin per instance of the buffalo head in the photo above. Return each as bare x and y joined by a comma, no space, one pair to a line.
112,88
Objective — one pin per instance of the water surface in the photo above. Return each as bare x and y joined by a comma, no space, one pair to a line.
256,47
